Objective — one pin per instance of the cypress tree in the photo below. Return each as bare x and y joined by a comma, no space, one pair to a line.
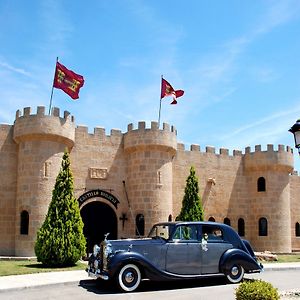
60,240
192,209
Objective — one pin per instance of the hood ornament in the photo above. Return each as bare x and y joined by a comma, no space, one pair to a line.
106,235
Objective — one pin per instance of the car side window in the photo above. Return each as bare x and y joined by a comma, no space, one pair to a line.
212,234
186,233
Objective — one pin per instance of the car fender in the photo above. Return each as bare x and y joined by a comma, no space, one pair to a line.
129,257
237,256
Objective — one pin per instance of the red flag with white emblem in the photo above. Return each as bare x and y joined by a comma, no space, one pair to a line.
168,90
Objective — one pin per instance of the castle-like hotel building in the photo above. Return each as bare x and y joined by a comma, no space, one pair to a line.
125,182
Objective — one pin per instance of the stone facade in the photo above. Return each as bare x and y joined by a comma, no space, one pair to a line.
141,172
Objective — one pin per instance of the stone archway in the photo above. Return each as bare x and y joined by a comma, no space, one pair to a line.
98,218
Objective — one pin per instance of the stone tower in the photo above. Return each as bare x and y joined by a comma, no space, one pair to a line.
272,203
41,141
150,154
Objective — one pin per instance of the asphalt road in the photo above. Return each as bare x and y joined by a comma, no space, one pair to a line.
201,289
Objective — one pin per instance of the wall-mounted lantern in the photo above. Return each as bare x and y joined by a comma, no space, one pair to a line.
295,130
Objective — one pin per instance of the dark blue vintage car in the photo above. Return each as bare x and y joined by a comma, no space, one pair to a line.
173,251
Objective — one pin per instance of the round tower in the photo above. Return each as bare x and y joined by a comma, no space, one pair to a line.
269,198
149,171
41,141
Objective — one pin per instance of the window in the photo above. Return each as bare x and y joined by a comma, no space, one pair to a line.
261,184
211,219
24,222
186,232
170,218
297,229
227,221
241,227
140,225
212,233
262,227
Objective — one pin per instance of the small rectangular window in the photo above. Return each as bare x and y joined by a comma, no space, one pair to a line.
212,233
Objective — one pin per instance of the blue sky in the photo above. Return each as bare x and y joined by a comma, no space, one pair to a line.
237,61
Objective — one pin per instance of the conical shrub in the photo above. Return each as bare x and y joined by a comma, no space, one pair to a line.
192,209
60,240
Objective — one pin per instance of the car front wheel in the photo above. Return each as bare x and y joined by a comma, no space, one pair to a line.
129,278
235,273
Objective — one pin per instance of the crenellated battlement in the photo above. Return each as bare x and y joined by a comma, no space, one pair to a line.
98,131
225,152
55,112
271,159
150,137
30,126
99,134
209,149
154,126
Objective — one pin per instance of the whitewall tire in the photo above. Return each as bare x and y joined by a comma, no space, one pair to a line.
129,278
235,273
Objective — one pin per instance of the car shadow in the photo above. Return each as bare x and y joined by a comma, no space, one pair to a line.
107,287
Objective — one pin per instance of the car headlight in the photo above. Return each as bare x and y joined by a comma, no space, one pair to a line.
96,250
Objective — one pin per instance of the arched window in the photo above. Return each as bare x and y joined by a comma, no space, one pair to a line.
241,227
140,225
261,184
263,227
24,222
297,229
170,218
211,219
227,221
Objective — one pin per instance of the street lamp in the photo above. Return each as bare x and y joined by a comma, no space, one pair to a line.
295,130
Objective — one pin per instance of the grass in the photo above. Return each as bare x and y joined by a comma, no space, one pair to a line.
18,267
288,258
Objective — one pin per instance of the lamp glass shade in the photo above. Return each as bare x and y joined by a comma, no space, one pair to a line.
297,139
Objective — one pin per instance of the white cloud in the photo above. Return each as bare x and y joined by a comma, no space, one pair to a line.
14,69
269,122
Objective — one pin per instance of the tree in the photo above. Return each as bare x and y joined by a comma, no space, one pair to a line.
60,240
191,204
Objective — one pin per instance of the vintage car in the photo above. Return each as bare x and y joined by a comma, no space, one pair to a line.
173,251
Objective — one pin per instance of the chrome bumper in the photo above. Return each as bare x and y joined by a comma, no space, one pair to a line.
97,274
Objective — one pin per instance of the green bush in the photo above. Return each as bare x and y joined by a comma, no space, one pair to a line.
192,209
60,241
256,290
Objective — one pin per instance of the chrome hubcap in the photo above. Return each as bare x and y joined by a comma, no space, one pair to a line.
129,277
234,271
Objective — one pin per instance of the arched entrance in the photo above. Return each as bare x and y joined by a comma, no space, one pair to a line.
98,218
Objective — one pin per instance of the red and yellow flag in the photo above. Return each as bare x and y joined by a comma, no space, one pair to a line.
68,81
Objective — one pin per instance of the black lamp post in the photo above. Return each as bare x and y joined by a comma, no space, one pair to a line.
295,130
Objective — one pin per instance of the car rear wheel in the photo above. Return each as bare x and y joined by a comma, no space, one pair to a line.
235,273
129,278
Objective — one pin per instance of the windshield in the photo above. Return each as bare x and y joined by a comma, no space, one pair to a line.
161,230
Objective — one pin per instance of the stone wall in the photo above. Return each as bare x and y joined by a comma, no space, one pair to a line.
98,162
295,209
223,187
149,154
228,186
146,170
8,184
41,141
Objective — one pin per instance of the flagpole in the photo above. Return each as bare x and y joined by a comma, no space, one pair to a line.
159,104
50,105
